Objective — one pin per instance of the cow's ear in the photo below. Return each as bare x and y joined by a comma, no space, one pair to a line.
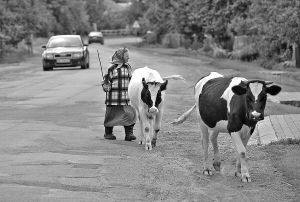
144,83
164,85
273,90
239,90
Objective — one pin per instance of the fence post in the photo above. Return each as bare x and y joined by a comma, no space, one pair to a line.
297,55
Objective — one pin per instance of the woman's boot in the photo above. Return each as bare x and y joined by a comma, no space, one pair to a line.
129,133
109,133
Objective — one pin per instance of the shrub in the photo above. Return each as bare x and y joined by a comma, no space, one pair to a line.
247,54
219,53
269,64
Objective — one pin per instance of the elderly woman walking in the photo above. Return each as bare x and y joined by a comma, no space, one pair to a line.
118,109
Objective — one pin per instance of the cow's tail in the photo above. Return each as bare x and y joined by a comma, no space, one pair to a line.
184,116
175,77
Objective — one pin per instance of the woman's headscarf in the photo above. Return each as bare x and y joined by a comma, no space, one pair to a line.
118,56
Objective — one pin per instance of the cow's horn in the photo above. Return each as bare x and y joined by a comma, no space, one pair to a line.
268,82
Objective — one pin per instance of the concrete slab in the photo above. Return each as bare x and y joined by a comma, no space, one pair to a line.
277,127
285,97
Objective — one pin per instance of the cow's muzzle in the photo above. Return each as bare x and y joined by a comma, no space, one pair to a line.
153,110
256,116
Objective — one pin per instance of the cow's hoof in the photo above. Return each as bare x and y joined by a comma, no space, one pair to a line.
207,172
148,146
217,166
237,174
245,177
141,142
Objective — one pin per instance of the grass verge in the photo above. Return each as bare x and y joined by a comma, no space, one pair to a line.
285,156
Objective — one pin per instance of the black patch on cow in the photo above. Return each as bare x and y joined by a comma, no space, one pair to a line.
146,95
212,107
158,99
164,86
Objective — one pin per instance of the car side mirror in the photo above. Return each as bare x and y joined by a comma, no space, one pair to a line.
44,46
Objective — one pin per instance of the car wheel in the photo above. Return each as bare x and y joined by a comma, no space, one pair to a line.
84,66
86,63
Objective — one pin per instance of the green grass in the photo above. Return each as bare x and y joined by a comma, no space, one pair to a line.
285,156
287,141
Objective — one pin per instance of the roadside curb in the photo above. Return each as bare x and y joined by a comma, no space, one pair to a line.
276,127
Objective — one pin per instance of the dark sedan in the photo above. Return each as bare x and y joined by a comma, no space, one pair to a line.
95,37
65,51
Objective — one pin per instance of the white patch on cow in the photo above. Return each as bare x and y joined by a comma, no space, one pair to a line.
202,82
153,91
256,89
220,127
228,93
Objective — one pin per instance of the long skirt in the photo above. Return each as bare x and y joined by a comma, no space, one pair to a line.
119,115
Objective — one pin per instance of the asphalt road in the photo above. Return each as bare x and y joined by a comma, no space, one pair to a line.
52,146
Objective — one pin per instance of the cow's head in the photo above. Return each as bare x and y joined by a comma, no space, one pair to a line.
151,94
255,95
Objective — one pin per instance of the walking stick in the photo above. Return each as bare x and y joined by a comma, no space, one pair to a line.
102,70
100,64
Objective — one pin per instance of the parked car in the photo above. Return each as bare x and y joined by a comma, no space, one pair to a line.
95,37
65,51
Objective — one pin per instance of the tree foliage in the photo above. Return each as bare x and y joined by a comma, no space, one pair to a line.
270,22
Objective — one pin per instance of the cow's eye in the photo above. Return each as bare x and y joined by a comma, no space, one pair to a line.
263,99
249,99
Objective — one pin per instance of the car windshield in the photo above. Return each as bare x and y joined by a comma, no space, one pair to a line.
64,42
95,34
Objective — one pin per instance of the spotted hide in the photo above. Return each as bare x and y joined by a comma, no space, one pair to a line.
146,92
229,105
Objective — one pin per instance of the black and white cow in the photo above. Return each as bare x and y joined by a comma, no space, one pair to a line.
229,105
146,92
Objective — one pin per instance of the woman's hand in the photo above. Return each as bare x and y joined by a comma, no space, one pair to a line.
106,86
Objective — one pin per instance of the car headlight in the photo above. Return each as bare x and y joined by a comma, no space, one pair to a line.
48,56
77,55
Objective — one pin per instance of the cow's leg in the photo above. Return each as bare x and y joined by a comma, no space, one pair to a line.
147,130
141,129
205,144
217,156
245,139
157,126
238,143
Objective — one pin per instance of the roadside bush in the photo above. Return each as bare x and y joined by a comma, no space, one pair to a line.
196,45
171,40
151,38
269,64
4,47
219,53
247,54
185,42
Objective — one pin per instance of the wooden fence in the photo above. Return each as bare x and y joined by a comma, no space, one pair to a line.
117,32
